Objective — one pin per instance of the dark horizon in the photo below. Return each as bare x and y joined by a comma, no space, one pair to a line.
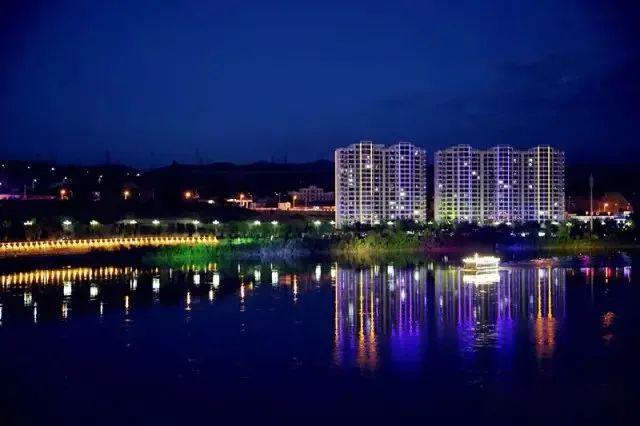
243,82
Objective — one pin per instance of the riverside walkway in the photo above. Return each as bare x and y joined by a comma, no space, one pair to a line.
86,245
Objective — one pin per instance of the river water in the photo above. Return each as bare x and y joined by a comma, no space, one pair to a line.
320,342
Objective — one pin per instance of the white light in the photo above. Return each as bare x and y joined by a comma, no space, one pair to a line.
66,222
216,280
133,222
93,291
196,279
317,223
274,222
67,289
216,222
196,222
155,284
155,222
94,223
256,222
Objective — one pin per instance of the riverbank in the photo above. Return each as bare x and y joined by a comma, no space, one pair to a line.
346,245
264,250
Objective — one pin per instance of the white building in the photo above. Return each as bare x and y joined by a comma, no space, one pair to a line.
375,184
500,184
312,194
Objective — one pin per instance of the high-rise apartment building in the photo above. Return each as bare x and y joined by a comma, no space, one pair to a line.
375,184
500,184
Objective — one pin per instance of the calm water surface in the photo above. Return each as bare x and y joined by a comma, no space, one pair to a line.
319,343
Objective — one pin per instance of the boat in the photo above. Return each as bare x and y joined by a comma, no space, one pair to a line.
477,263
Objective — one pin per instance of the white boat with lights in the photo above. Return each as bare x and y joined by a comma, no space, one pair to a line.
477,263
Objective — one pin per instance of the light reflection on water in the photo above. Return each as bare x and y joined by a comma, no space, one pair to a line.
231,335
376,307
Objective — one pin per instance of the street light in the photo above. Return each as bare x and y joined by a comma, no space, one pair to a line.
317,223
155,222
28,223
256,222
196,223
94,223
66,224
274,222
126,194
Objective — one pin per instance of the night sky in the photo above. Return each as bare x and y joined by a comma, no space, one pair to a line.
241,81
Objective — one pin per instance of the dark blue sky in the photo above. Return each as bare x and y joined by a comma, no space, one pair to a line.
243,81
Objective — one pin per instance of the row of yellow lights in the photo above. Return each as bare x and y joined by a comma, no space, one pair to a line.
52,276
29,247
57,276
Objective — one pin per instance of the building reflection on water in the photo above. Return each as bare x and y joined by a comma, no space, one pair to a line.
382,312
403,309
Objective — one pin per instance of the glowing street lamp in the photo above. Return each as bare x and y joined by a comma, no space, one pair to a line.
188,195
155,222
94,223
195,224
256,223
126,194
274,222
66,225
317,223
28,223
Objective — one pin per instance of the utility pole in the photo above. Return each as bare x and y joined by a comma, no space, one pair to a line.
591,202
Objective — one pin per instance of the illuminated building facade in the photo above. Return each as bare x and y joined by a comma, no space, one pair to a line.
499,185
375,184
